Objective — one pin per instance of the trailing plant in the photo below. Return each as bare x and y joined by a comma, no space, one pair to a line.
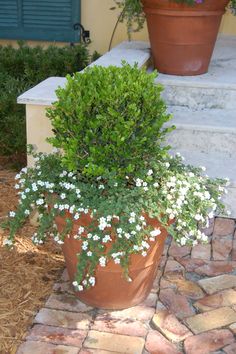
132,11
112,166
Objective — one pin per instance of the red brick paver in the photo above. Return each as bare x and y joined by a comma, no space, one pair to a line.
190,310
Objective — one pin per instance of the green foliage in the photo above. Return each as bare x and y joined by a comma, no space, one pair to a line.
21,69
109,120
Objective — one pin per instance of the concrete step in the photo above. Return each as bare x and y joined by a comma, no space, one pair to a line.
207,131
217,165
215,89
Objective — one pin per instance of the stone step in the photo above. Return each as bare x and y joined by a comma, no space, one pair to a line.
207,131
215,89
217,165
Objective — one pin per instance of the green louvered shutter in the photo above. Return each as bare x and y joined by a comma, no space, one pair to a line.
50,20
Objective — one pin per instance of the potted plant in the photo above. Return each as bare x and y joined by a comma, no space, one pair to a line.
182,32
112,191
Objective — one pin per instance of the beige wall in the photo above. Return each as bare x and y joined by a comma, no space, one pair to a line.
100,20
38,127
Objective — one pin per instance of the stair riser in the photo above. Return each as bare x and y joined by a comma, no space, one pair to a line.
199,97
204,141
230,201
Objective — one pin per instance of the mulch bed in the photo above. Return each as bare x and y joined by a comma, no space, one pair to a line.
27,273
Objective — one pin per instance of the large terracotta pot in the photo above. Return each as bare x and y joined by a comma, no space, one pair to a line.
112,290
183,37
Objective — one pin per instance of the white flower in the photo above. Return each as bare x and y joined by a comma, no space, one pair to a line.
156,184
80,230
7,242
183,241
101,186
117,260
150,172
18,176
89,253
85,245
12,214
144,184
198,217
92,281
203,168
131,220
144,253
17,186
39,201
191,174
138,182
138,227
106,238
96,238
23,196
27,212
167,164
102,261
34,187
63,196
155,232
145,245
76,216
71,209
145,189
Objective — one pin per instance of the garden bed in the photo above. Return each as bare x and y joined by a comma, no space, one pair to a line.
27,273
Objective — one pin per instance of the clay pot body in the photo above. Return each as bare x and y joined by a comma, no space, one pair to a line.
183,37
112,290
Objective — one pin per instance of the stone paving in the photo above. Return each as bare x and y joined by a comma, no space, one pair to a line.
191,308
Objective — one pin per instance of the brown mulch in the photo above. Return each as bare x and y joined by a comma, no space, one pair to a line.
27,273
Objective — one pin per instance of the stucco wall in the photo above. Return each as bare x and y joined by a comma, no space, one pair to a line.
100,20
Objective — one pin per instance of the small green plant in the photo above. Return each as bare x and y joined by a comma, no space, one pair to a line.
112,165
22,68
106,125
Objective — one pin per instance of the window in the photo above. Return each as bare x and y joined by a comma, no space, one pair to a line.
50,20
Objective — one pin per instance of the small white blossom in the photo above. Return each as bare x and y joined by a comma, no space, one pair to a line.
12,214
7,242
150,172
80,230
155,232
76,216
40,201
102,261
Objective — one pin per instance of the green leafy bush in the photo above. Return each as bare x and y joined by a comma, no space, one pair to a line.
105,125
20,69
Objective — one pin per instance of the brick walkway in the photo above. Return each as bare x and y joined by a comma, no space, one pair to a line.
191,309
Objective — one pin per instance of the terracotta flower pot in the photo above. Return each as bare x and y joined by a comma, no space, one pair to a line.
183,37
112,290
